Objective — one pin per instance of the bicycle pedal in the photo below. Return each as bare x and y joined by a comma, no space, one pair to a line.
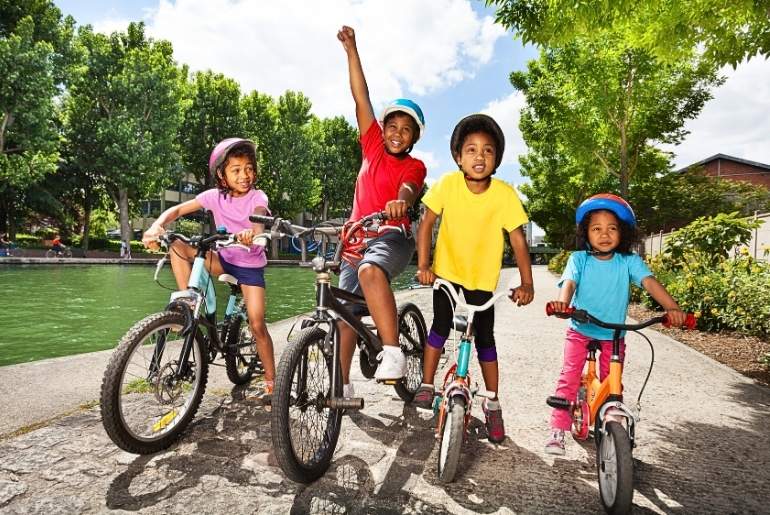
389,382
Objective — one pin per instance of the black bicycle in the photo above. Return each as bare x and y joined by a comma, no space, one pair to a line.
156,377
307,398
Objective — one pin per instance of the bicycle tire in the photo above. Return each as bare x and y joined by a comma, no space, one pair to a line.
67,253
412,335
293,405
16,252
50,253
615,470
451,442
367,369
163,426
240,368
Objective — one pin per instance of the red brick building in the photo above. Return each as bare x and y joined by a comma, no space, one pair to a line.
735,169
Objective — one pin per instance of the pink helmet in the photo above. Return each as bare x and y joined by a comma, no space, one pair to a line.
219,154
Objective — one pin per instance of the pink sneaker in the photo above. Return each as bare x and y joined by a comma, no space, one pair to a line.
555,443
495,427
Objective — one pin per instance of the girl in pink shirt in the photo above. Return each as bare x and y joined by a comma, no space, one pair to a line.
234,164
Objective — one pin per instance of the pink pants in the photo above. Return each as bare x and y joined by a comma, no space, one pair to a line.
575,354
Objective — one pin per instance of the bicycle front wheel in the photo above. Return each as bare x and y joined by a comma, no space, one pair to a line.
151,391
412,335
616,469
304,429
451,440
15,252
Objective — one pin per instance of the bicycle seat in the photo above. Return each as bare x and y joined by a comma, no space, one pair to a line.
460,323
227,278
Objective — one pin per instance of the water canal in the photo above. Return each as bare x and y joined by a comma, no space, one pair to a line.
50,310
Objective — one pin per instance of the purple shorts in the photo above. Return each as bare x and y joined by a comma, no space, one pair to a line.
245,275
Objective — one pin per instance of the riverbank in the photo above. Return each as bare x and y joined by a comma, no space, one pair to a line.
147,259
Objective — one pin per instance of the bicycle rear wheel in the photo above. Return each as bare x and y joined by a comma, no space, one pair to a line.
451,440
304,429
412,335
241,357
148,396
615,469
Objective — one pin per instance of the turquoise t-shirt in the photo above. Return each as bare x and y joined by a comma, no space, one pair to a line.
603,288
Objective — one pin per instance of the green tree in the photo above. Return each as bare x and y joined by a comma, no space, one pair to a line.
337,158
726,32
36,56
212,113
285,150
122,115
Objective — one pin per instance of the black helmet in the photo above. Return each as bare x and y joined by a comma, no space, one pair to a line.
478,123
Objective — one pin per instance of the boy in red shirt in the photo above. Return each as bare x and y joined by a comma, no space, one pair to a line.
390,180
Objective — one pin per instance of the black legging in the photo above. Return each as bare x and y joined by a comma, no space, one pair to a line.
483,322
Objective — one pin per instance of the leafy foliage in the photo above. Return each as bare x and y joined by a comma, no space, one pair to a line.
337,160
727,32
711,238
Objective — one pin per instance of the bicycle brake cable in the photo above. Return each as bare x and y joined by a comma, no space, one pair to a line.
652,362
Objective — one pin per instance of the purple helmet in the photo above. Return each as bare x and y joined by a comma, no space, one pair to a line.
219,154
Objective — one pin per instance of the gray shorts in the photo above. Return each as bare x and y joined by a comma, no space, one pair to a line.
391,252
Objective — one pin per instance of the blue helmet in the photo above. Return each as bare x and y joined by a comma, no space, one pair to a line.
409,107
610,202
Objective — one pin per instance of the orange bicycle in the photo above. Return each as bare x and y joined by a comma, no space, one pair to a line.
599,405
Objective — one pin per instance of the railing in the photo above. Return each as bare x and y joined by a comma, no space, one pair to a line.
654,244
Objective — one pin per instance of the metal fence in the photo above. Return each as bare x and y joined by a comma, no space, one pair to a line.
654,244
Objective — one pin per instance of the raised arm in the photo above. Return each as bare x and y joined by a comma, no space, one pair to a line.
364,110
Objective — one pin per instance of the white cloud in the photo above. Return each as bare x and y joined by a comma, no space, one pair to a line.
407,49
430,160
735,121
110,25
507,111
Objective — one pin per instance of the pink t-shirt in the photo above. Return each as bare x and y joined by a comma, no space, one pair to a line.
232,213
382,175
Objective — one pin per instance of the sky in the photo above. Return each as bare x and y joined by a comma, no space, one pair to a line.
447,55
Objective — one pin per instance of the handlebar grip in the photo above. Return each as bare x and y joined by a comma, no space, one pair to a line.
267,221
550,309
689,322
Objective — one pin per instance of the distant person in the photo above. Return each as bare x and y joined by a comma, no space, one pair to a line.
389,180
5,244
56,244
233,164
125,249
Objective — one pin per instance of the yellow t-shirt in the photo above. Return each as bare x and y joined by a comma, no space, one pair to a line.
469,247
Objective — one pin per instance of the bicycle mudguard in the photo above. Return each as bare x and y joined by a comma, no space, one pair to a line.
185,309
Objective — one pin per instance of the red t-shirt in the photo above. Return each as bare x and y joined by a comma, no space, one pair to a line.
382,175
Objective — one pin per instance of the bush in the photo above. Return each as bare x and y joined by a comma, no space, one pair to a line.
558,263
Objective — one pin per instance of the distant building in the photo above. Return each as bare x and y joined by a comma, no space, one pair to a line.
734,169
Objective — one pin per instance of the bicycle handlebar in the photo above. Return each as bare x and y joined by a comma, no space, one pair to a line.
584,316
438,283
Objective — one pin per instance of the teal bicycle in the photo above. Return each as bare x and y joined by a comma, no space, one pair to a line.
156,377
455,399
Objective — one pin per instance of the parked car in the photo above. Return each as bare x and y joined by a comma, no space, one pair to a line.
114,234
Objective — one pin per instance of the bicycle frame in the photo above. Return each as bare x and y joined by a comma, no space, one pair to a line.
457,379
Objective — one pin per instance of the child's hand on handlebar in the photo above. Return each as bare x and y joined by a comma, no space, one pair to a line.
676,317
522,295
396,209
150,238
246,237
425,276
558,308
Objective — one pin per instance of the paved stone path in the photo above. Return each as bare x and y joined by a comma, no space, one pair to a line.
703,442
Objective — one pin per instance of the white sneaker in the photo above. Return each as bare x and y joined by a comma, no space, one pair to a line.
392,364
347,391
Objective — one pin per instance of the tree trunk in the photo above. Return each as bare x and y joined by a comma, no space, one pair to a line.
86,223
326,210
125,223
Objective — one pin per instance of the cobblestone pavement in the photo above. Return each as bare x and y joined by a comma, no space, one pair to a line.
703,446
